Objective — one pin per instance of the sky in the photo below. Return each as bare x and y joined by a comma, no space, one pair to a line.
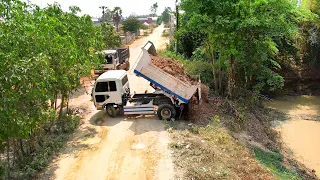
91,7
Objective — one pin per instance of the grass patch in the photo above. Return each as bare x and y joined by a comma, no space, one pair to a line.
274,162
211,153
165,33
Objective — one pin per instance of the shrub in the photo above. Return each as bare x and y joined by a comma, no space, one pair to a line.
196,67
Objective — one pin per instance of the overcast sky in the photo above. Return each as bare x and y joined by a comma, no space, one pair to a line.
91,7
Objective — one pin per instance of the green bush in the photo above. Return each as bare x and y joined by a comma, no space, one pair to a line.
165,34
204,69
196,67
3,170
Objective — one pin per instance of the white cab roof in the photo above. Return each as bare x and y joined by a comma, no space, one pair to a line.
112,75
109,51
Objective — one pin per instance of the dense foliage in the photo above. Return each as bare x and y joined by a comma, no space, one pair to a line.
165,16
131,24
154,9
240,38
43,53
309,39
110,38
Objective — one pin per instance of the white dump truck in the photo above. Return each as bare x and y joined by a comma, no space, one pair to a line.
111,91
117,59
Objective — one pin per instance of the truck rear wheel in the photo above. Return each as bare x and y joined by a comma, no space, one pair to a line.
111,111
166,112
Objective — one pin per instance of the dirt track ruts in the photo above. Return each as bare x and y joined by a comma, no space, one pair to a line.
118,148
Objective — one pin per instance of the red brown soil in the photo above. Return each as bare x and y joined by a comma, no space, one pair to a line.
174,68
196,110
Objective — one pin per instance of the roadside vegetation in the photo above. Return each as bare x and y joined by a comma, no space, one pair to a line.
43,53
243,51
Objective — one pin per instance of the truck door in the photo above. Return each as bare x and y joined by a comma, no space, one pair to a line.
106,93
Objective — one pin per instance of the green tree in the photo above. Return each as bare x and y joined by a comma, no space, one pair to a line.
244,33
131,24
107,15
154,9
165,16
110,38
309,35
117,14
43,52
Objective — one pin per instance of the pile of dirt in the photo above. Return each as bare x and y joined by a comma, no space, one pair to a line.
174,68
196,110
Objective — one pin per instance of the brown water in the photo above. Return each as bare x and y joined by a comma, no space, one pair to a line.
301,136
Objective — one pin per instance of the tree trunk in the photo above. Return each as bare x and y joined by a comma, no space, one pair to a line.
14,152
117,26
67,102
8,158
21,147
61,106
56,100
231,76
214,72
51,104
220,81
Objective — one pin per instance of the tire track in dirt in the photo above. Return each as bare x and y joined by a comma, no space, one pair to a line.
115,148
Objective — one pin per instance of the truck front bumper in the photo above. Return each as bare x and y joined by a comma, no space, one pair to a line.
99,107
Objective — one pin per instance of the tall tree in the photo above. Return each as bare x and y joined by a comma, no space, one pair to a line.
309,37
117,15
243,33
44,52
110,38
107,15
165,16
154,9
131,24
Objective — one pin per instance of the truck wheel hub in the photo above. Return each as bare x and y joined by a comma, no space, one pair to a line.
166,113
109,110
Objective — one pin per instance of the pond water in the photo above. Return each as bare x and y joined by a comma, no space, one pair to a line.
301,133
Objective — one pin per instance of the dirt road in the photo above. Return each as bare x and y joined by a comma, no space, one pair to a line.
118,148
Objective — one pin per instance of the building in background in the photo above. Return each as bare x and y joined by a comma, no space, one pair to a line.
149,20
96,21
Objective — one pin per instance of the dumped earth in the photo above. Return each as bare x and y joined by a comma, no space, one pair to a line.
174,68
196,110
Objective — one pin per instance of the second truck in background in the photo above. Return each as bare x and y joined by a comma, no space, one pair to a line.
117,59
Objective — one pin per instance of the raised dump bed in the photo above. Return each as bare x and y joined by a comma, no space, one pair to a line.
180,90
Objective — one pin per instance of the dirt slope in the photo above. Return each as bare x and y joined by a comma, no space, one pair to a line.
119,148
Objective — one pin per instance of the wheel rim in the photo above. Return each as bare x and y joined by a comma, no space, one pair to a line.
165,113
109,110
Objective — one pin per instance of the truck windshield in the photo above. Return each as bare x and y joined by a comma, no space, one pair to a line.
109,59
102,87
106,86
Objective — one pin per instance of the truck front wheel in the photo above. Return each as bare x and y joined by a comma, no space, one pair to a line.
166,112
111,111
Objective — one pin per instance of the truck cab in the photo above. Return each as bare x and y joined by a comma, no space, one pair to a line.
117,59
111,88
111,57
